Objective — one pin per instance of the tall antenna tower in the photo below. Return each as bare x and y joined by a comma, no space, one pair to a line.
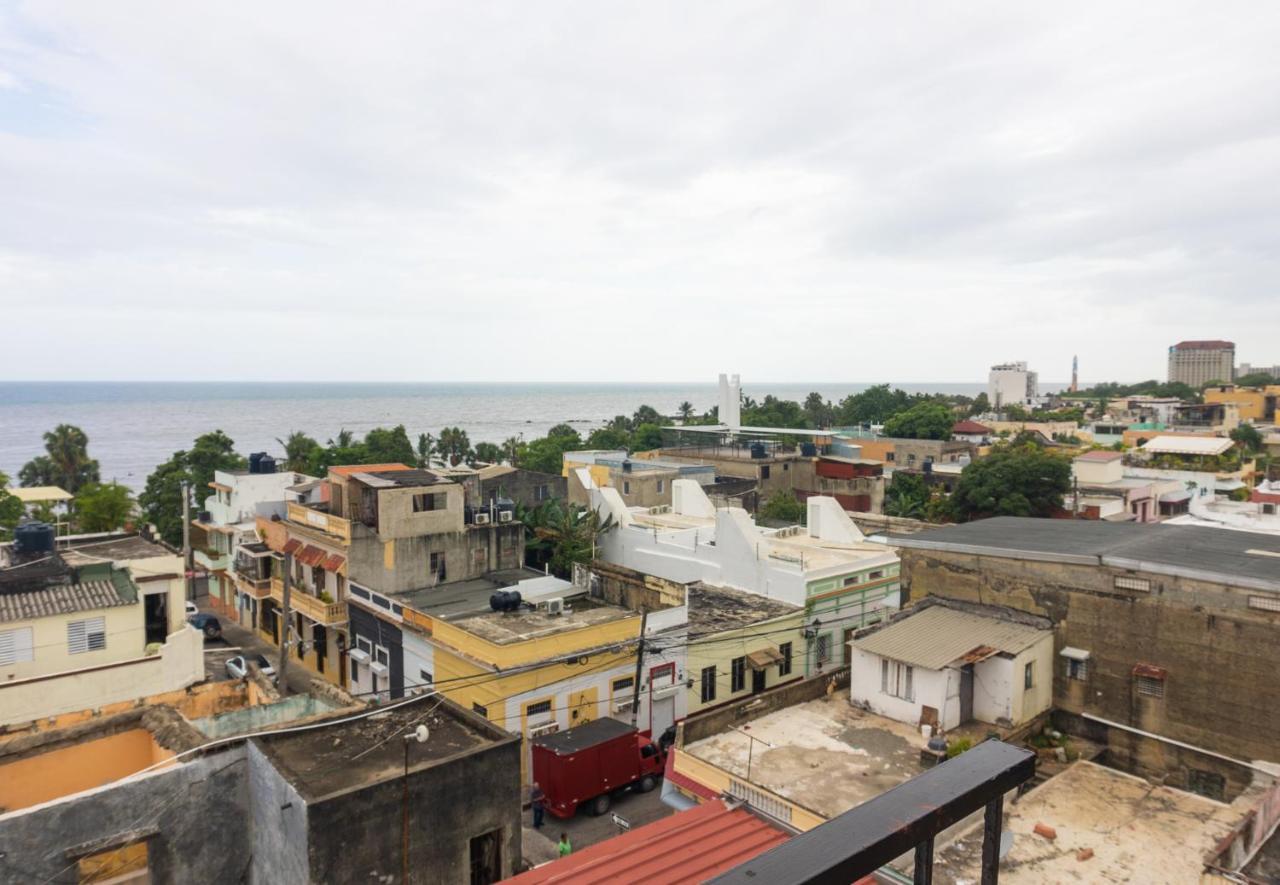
1075,379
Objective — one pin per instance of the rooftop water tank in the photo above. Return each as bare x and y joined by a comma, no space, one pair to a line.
33,538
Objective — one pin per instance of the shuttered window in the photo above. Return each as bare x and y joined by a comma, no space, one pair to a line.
87,635
15,646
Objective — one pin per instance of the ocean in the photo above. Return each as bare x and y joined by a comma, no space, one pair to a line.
133,426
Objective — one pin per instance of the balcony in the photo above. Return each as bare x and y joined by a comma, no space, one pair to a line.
324,522
213,562
258,588
326,613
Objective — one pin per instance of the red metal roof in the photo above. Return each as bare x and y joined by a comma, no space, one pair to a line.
689,846
968,426
291,546
310,555
1205,345
367,468
1100,456
333,562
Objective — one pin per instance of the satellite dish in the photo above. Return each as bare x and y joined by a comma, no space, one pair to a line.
422,733
1006,843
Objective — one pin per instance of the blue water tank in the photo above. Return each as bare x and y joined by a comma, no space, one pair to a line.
33,537
808,450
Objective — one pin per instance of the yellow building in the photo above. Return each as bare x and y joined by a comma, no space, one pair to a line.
1256,404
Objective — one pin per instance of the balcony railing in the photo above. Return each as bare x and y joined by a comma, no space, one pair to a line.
316,519
310,606
214,562
860,841
258,588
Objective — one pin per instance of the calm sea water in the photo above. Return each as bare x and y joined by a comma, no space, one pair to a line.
134,426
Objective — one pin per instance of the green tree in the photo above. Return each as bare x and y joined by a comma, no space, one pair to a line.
980,406
546,454
299,450
646,415
782,506
161,499
1256,379
774,412
926,420
646,438
210,452
1014,480
454,444
1248,438
68,463
103,508
489,453
38,471
511,447
565,534
10,507
426,448
907,496
608,438
389,446
819,411
875,405
685,411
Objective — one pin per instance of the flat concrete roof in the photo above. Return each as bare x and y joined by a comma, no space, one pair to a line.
460,598
1247,558
826,755
324,761
715,609
91,549
1138,832
525,624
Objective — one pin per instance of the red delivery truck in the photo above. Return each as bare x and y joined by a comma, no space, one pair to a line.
587,765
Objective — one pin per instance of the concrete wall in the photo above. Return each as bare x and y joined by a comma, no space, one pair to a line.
1220,656
196,815
278,825
522,486
720,649
993,688
397,519
930,688
251,719
716,720
449,804
180,663
394,566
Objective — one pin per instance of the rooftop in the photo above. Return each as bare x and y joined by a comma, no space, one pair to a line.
68,598
390,478
688,847
940,635
120,548
1204,345
322,762
1245,558
1100,457
462,598
969,427
717,609
1187,445
40,494
825,755
1138,832
348,469
525,624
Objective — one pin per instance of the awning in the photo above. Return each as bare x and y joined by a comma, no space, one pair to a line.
291,546
1149,670
1228,485
1176,497
333,562
1075,654
764,658
311,555
41,494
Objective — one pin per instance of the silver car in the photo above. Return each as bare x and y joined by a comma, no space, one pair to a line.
238,667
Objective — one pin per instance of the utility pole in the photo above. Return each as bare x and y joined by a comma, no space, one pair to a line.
187,573
635,688
287,581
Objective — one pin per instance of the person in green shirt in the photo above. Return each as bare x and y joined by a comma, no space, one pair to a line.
565,848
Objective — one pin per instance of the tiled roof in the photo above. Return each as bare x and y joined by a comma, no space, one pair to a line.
691,846
1103,457
367,468
967,426
66,599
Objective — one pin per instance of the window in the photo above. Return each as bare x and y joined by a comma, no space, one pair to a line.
626,487
738,674
784,666
542,492
1028,674
483,711
661,485
87,635
541,708
824,649
355,671
708,684
127,863
427,502
364,645
1078,670
1263,603
1140,584
317,578
896,679
15,646
764,471
623,684
437,566
850,580
888,456
875,576
424,677
381,656
1149,686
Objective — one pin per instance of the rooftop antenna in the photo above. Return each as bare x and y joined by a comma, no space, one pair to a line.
1075,380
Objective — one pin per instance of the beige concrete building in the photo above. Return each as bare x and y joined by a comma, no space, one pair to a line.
1196,363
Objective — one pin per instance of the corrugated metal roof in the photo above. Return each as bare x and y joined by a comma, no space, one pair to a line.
38,494
65,599
688,847
1188,445
935,637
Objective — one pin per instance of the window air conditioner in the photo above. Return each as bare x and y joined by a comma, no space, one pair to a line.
505,516
543,730
481,519
552,606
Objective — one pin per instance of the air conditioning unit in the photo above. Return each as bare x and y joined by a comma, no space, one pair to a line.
505,516
552,606
481,519
622,706
543,730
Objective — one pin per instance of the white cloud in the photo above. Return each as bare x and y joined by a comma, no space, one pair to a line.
847,193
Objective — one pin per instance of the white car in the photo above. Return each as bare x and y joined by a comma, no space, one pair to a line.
238,667
192,609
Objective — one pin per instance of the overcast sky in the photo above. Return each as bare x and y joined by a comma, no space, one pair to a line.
640,192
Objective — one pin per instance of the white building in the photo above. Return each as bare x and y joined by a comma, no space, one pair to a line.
842,580
227,521
1012,384
944,666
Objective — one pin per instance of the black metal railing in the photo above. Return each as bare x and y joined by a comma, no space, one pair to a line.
908,817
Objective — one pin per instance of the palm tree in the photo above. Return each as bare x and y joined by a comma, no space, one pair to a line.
426,448
570,532
685,411
343,440
68,448
511,447
298,450
454,444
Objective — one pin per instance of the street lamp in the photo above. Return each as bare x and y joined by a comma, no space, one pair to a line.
420,734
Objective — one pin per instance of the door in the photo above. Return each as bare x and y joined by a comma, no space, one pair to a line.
966,693
582,707
662,716
662,710
321,637
757,681
486,858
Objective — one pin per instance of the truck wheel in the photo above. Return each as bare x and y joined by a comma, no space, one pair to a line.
647,783
600,804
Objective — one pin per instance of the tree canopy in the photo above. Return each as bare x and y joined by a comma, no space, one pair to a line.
10,507
103,508
66,462
1257,379
161,499
1014,480
926,420
783,506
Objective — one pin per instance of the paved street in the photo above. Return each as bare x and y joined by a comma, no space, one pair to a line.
637,809
239,640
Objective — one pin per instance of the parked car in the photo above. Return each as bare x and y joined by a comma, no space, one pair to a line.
210,626
192,611
588,765
238,667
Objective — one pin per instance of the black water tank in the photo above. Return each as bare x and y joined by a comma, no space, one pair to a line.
33,537
808,450
266,464
626,465
255,461
757,450
505,600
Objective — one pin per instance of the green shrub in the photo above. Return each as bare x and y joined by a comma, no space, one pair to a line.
958,747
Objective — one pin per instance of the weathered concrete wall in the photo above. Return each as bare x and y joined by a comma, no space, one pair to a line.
196,817
405,564
522,486
449,804
1220,656
277,824
717,719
